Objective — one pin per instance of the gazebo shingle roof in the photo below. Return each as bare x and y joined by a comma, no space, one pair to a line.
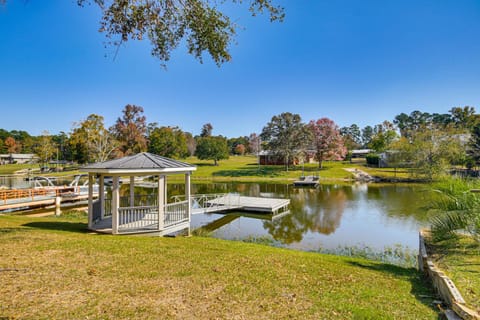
144,162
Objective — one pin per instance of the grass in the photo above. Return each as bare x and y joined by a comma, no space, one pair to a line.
12,168
246,169
50,268
460,259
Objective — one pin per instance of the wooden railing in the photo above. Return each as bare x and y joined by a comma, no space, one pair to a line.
175,213
145,217
28,194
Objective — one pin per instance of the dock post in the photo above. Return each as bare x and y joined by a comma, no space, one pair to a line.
58,201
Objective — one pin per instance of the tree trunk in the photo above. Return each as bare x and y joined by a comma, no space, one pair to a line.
215,162
320,160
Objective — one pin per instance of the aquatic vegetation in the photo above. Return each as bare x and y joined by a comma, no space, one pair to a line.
397,255
455,209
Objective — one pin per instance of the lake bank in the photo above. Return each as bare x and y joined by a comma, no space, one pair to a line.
77,274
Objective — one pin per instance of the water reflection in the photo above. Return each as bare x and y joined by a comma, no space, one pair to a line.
329,216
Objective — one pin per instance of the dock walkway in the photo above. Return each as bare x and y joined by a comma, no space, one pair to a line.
236,202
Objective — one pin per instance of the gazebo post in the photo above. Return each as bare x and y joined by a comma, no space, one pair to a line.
101,196
187,195
132,191
161,201
90,201
115,204
165,196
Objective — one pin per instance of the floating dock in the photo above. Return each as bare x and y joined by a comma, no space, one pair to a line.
308,181
235,202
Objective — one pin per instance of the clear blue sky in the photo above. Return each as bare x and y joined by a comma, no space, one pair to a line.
352,61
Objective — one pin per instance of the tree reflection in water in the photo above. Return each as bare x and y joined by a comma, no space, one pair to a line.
314,211
319,212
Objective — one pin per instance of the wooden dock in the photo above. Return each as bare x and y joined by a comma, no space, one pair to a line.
308,181
15,199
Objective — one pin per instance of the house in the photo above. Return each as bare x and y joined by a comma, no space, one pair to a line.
270,158
18,158
360,153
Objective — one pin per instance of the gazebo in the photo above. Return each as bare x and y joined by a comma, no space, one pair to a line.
134,213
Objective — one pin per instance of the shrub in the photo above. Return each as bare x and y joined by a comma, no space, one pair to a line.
373,159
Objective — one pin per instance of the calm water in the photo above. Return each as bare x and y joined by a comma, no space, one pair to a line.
328,217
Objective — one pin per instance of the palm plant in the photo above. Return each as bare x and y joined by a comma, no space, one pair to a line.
457,210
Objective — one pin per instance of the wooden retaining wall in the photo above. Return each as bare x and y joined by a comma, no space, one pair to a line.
443,284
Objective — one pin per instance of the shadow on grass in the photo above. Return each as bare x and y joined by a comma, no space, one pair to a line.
202,164
255,171
421,287
78,227
11,230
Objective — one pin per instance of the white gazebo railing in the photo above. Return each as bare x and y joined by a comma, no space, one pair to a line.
148,217
136,218
175,213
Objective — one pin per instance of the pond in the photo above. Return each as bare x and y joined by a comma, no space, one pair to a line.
328,217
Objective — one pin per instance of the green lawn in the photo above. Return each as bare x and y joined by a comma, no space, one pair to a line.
12,168
50,268
246,168
461,262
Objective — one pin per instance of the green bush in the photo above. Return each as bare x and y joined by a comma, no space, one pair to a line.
373,159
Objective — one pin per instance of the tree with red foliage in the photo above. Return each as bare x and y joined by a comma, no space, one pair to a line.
11,145
327,141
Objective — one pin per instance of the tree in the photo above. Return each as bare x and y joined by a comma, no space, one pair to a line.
168,142
254,143
199,24
239,149
327,140
474,145
45,148
191,143
409,124
91,141
367,134
207,129
212,148
234,142
283,135
464,118
384,136
352,137
11,145
131,130
432,150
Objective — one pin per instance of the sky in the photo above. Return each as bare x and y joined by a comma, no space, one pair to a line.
353,61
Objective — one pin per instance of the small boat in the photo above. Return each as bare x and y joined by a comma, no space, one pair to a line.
307,181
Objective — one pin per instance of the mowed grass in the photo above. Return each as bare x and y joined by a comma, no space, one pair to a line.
246,168
461,262
12,168
50,268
